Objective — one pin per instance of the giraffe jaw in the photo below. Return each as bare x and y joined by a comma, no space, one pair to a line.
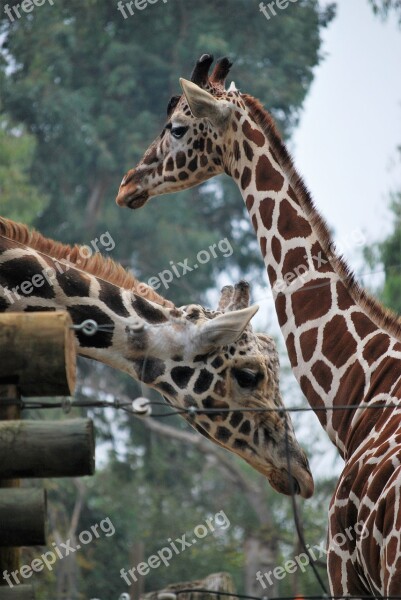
287,484
132,200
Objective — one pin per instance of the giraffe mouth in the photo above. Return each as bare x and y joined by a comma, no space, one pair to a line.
287,484
132,200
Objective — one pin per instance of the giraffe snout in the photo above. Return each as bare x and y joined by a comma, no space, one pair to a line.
130,192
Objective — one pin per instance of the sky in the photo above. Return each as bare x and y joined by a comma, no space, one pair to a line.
345,145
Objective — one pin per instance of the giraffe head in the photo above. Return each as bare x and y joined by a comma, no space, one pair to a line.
213,360
196,137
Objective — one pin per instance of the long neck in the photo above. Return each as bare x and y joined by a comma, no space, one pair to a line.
332,331
32,281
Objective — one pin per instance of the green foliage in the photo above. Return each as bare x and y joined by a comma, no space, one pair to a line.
388,254
20,199
93,87
384,8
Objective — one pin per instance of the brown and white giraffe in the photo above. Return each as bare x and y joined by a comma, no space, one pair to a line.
344,347
193,356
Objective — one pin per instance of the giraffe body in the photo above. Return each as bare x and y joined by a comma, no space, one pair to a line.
344,347
192,356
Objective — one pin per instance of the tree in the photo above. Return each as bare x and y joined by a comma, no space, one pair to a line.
91,87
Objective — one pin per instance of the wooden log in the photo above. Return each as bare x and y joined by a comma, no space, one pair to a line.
9,557
38,353
217,582
19,592
22,517
47,448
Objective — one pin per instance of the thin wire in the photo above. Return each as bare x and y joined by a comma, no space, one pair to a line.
246,597
295,513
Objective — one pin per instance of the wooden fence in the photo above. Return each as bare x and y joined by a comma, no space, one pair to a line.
37,358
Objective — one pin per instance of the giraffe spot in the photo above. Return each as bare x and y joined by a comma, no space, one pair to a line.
256,437
266,212
32,309
210,402
255,222
245,428
209,146
323,375
21,273
246,178
272,275
308,342
291,224
203,382
262,243
193,164
253,134
182,175
74,283
181,376
248,150
363,325
205,424
267,178
292,195
319,259
111,296
223,434
242,445
338,343
159,169
385,375
280,303
180,159
149,369
292,354
294,265
217,362
101,339
249,202
203,160
219,150
151,157
236,150
276,249
377,346
234,126
220,388
236,173
344,299
313,398
167,389
146,311
309,304
236,419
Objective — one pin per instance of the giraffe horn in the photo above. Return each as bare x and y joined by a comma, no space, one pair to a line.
225,297
241,296
220,71
201,70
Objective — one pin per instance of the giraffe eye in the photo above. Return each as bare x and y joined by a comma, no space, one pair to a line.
246,378
179,132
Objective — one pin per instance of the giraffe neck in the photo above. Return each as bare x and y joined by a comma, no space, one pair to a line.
329,324
32,281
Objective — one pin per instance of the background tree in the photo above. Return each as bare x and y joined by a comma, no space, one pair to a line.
83,92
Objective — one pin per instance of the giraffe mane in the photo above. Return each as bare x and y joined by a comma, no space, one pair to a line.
97,265
383,317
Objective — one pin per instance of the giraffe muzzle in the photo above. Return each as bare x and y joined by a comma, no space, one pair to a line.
131,198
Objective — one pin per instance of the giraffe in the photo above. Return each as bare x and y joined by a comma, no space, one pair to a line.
343,345
192,356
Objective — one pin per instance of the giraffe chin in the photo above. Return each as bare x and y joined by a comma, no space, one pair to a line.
280,481
132,200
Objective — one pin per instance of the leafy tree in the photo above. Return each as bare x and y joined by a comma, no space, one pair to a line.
384,7
92,87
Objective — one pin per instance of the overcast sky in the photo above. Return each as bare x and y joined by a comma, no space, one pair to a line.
350,128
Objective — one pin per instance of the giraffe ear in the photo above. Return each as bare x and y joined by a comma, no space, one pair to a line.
224,329
204,106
